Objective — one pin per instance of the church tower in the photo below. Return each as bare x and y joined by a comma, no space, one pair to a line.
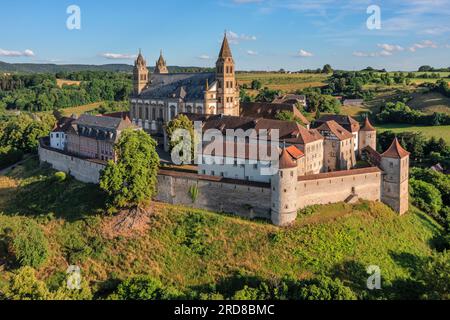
140,74
161,66
227,91
395,164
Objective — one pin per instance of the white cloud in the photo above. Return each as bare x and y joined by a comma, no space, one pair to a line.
447,46
235,38
304,53
204,57
118,56
12,53
390,47
252,53
422,45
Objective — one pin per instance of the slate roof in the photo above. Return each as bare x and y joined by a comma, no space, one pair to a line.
102,122
185,86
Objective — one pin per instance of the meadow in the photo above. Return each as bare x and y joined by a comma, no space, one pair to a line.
199,250
427,131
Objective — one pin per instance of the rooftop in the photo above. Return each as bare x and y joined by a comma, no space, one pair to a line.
333,127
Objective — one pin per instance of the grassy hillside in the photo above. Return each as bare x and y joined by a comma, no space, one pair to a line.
193,249
428,131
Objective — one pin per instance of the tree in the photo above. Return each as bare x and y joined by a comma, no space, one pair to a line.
327,69
131,181
29,245
323,288
181,123
435,276
143,288
256,85
426,196
25,286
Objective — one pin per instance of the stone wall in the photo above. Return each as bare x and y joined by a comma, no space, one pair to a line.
216,194
340,186
83,170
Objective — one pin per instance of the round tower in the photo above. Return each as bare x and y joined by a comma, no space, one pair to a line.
367,136
284,191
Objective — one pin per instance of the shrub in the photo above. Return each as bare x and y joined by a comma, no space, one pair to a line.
9,156
60,176
29,245
25,286
425,196
143,288
323,288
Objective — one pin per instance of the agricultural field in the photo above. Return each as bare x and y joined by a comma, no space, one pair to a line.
194,250
430,102
281,81
81,109
61,82
428,131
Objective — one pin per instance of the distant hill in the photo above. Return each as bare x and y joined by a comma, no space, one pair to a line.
54,68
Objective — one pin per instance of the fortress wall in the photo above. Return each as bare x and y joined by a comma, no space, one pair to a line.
333,189
244,200
83,170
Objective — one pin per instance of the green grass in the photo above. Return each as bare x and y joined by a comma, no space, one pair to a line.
428,131
194,249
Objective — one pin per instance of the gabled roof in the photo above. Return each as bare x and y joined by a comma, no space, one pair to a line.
347,122
225,51
103,122
368,126
333,127
64,124
395,151
270,110
289,131
188,86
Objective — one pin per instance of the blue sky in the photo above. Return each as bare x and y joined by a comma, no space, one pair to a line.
265,34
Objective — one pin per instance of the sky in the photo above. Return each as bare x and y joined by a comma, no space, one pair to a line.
264,34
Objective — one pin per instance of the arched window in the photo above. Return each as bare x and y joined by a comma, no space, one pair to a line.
172,112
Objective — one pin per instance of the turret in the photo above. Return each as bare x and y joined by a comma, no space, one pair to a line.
284,190
367,136
395,164
140,74
227,92
161,66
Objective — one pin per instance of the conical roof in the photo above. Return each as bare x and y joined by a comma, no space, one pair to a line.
225,51
286,160
395,151
368,126
161,60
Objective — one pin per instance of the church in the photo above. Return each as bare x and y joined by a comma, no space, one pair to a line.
159,97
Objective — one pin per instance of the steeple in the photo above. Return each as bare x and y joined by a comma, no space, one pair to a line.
225,51
140,74
161,66
227,90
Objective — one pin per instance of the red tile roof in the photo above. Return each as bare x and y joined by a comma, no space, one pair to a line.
295,152
395,151
368,126
337,174
333,127
286,160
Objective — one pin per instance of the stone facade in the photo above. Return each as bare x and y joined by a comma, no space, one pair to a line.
160,97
